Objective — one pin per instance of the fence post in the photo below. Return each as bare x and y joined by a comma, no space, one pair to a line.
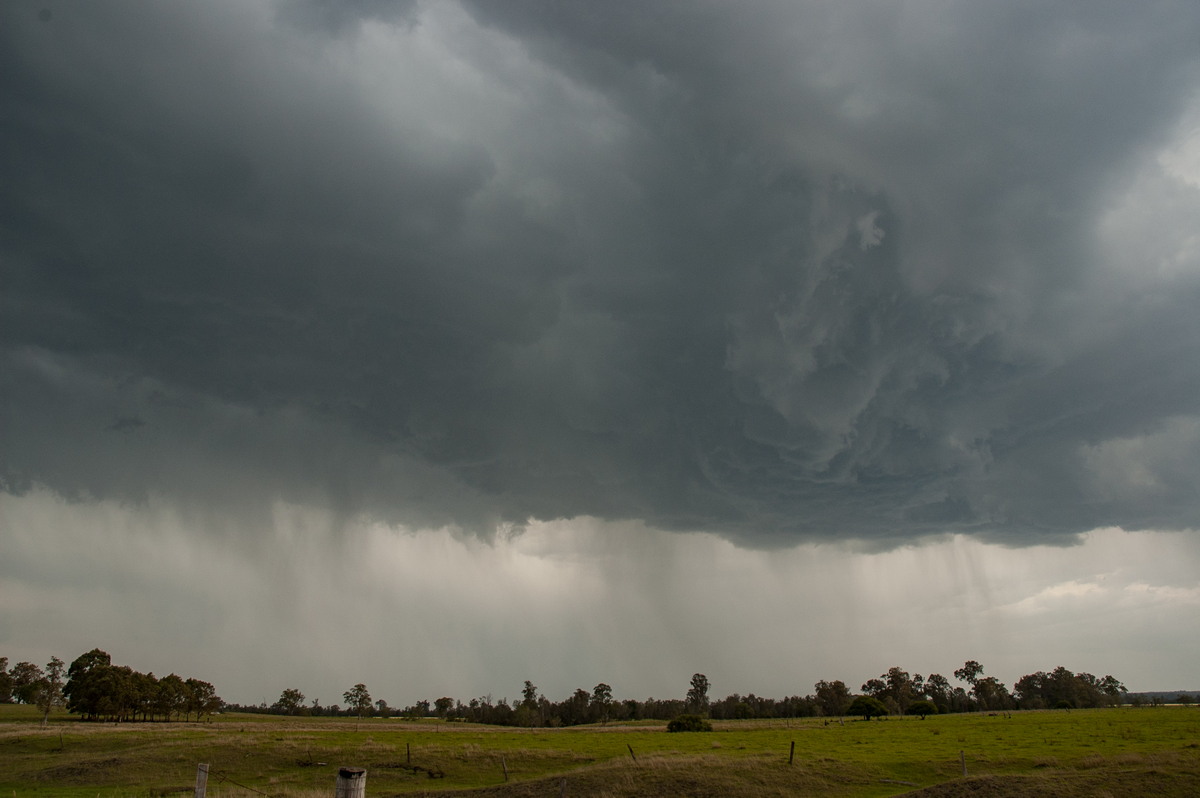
962,758
201,780
351,783
792,753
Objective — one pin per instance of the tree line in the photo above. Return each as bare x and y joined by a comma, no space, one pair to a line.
98,690
895,692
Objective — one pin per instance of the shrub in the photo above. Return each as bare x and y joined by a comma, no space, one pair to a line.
866,707
689,723
922,708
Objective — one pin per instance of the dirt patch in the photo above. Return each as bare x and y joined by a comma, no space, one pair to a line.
78,771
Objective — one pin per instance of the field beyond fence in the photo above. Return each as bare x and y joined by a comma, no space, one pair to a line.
1105,752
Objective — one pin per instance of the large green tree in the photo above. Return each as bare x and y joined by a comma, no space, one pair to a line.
358,699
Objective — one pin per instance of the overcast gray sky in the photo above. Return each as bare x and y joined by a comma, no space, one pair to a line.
583,342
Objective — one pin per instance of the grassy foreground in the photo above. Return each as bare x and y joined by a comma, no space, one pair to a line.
1114,752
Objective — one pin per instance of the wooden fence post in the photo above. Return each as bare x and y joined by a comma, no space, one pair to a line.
962,758
792,755
201,780
504,765
351,783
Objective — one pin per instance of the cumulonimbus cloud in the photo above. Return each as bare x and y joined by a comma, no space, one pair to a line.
783,273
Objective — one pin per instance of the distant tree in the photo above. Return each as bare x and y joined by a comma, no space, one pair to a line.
573,711
1184,698
922,708
202,698
697,695
874,687
866,707
937,687
171,698
382,709
529,694
832,697
290,701
358,699
969,672
443,705
50,688
689,723
601,701
1113,688
991,694
26,682
6,684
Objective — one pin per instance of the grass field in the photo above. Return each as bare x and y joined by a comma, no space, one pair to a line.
1115,752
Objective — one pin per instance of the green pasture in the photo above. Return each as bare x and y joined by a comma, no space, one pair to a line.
251,755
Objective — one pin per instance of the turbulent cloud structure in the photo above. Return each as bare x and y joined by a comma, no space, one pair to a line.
779,272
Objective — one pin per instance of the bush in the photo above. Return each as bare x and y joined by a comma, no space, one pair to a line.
689,723
866,707
922,708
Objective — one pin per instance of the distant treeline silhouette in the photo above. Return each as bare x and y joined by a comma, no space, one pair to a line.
895,692
98,690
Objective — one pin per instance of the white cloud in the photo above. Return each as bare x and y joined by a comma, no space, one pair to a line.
869,234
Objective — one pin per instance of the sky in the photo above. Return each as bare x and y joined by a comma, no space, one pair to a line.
443,345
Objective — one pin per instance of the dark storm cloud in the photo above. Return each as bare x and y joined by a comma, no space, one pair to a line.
778,272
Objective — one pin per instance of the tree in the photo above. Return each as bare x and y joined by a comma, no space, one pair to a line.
443,705
84,677
922,708
202,698
171,697
697,695
969,672
529,695
358,700
26,682
6,684
867,707
290,701
990,693
50,689
1113,688
899,687
937,687
601,700
832,697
